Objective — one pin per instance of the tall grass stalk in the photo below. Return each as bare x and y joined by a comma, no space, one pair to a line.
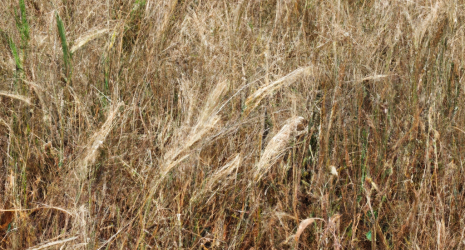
232,124
64,47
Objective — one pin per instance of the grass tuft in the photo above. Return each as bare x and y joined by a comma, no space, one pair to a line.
232,124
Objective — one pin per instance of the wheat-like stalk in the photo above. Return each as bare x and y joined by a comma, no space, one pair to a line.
95,142
83,40
22,98
275,147
219,176
254,100
208,120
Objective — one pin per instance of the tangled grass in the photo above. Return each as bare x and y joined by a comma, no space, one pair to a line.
232,124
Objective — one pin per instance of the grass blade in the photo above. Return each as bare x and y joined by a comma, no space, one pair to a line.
64,45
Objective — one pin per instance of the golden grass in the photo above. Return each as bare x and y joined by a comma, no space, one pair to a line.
17,97
254,100
277,146
97,139
83,40
232,124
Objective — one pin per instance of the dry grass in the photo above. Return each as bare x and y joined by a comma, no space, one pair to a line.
232,124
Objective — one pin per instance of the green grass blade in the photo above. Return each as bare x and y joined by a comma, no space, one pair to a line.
14,50
24,28
64,45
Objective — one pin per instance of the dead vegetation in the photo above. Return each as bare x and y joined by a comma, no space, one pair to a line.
232,124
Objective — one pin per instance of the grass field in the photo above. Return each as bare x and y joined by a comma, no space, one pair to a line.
271,124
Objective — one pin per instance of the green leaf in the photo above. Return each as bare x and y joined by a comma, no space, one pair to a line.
368,235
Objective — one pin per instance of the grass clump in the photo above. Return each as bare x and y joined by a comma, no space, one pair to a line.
232,124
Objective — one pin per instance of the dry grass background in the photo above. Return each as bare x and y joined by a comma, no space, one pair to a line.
232,124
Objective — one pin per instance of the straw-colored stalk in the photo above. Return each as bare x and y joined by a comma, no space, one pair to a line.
97,140
169,12
188,93
420,27
219,176
54,243
40,94
224,172
207,122
254,100
304,224
17,97
83,40
276,146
